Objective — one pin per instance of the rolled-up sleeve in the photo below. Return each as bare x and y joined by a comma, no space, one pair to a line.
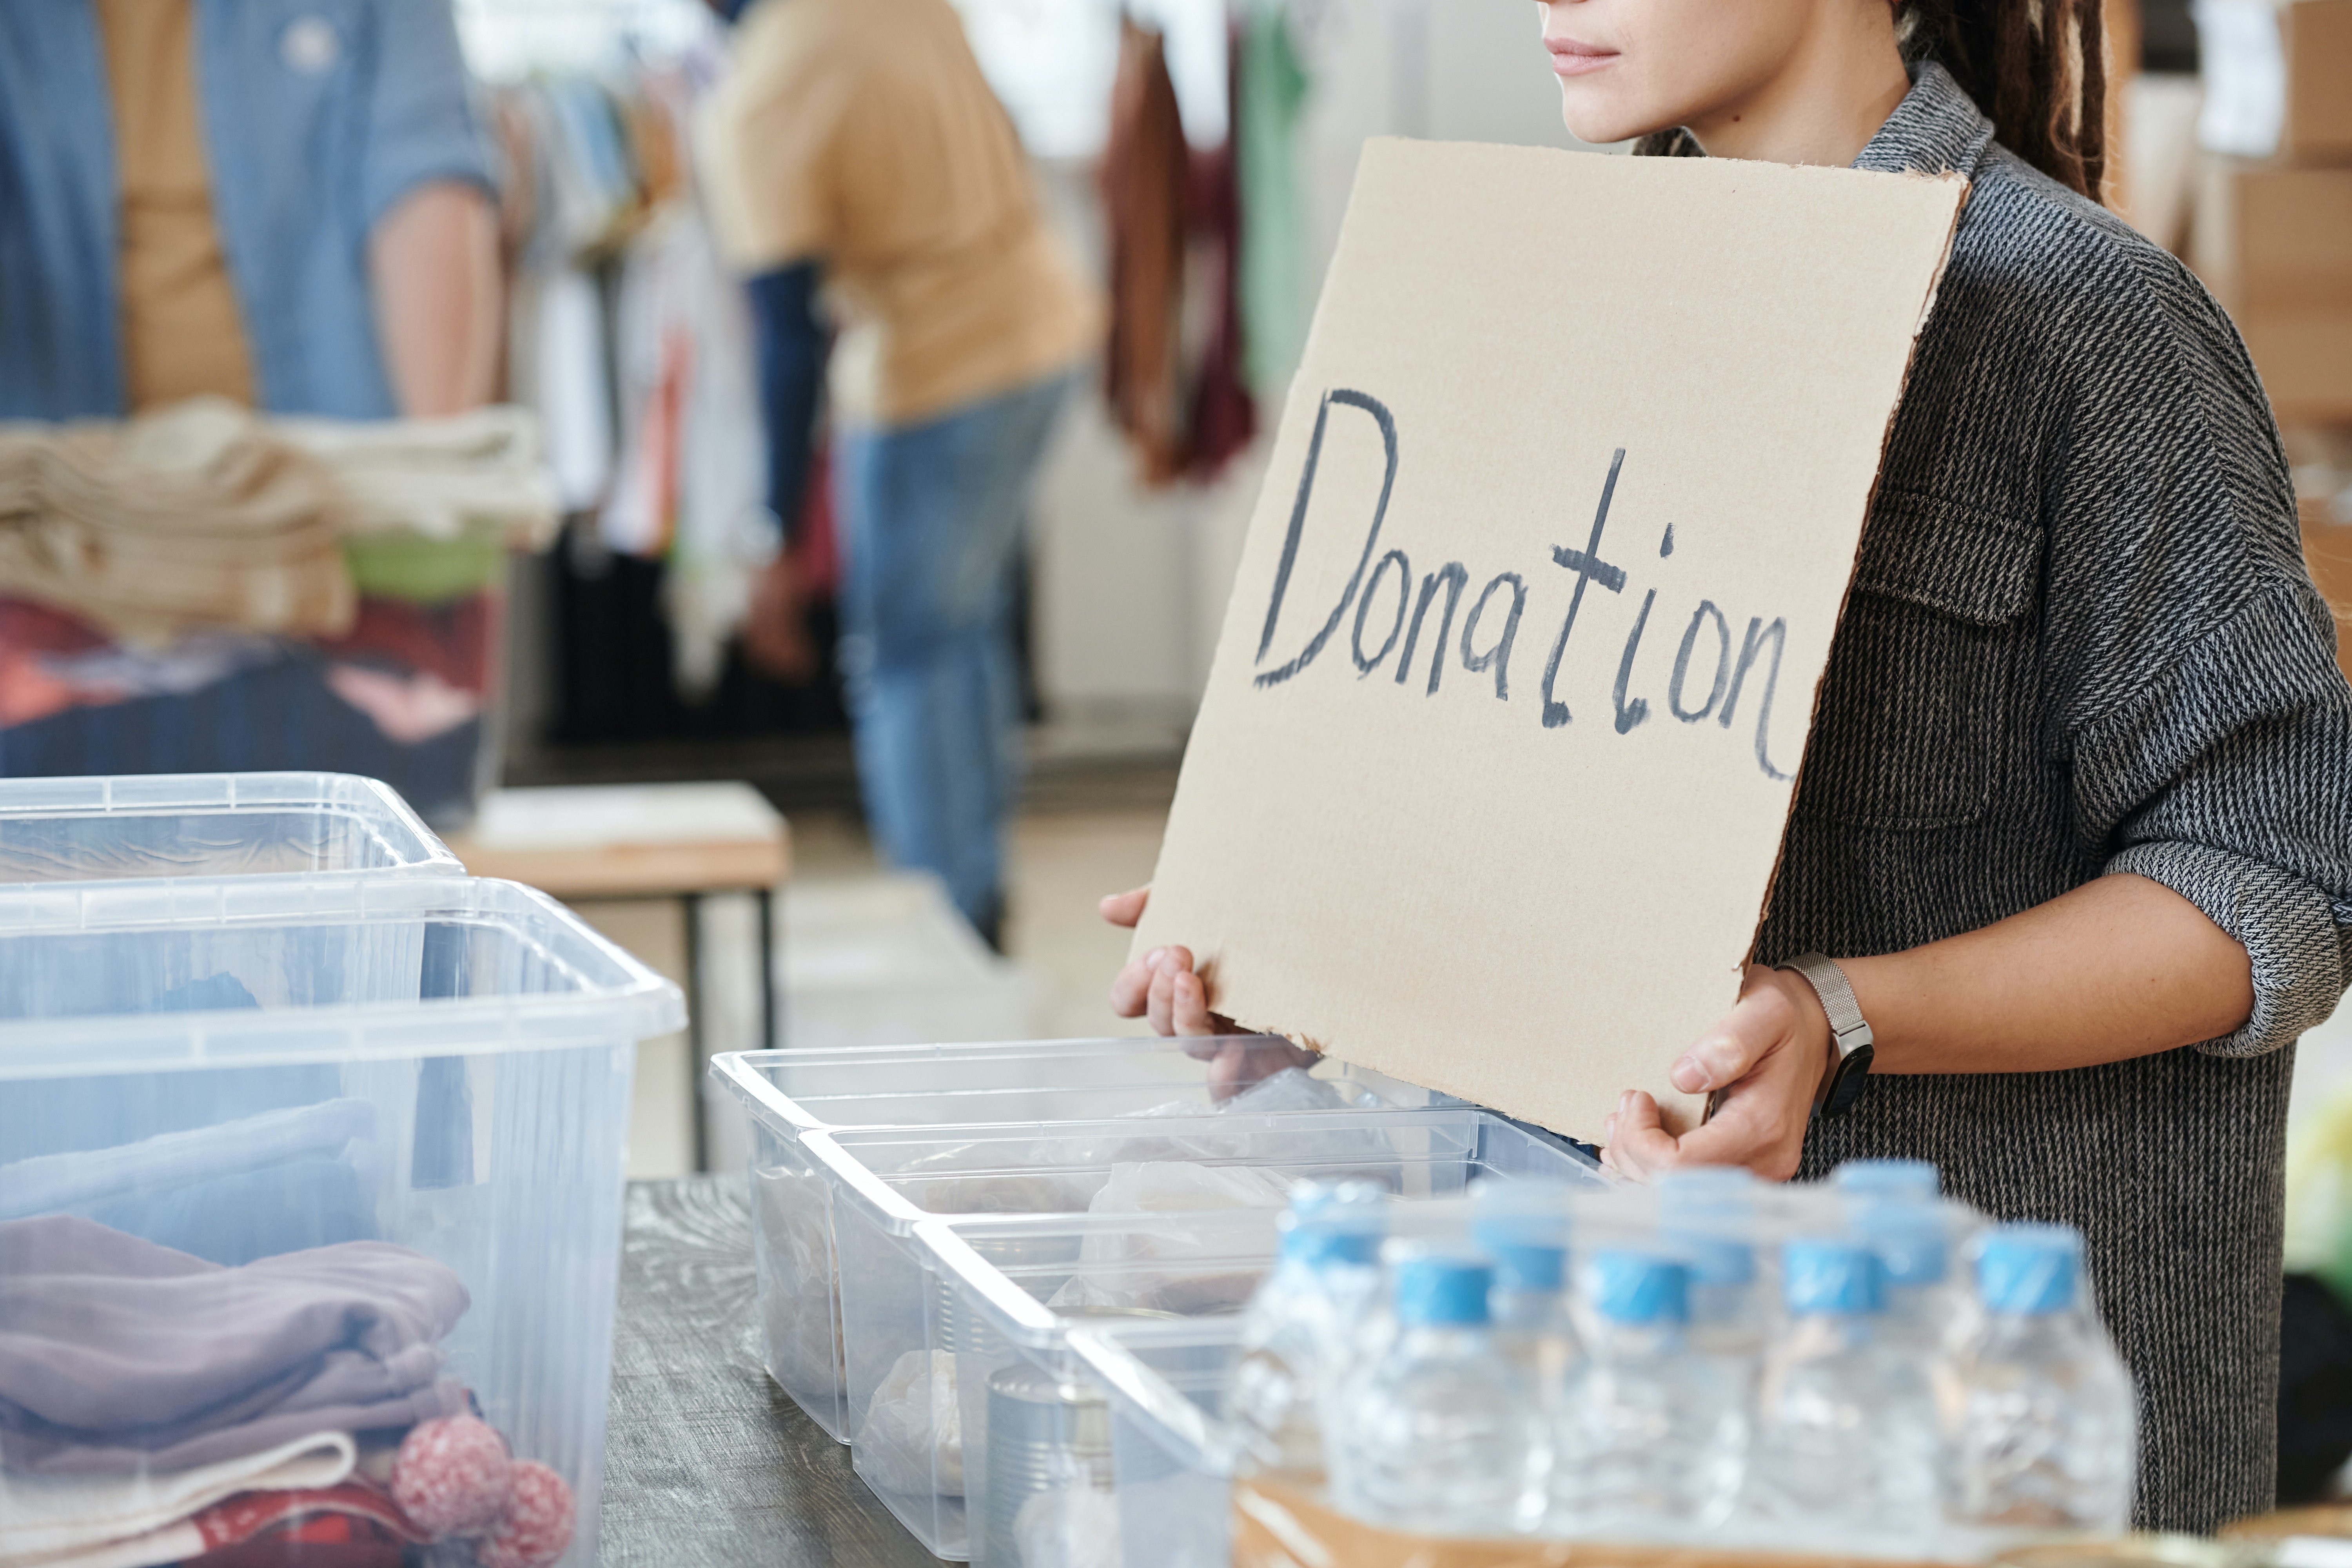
2203,722
421,124
2242,757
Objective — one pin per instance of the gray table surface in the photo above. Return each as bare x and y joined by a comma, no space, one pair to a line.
706,1459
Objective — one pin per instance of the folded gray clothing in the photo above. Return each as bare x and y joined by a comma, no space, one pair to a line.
118,1355
167,1162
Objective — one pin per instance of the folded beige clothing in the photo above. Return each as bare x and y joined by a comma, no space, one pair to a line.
48,1516
190,518
438,477
204,515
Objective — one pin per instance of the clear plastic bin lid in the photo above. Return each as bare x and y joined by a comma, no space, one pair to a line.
210,824
132,976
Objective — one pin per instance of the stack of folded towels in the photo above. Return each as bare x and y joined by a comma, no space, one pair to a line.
156,1409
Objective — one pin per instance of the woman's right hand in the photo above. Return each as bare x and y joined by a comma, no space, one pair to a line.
1161,984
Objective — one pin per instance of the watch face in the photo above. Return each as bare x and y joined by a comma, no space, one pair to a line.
1852,1077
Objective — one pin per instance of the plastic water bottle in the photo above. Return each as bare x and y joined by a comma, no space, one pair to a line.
1304,1322
1718,1182
1846,1430
1524,1227
1708,1218
1440,1434
1913,1247
1651,1440
2047,1419
1914,1181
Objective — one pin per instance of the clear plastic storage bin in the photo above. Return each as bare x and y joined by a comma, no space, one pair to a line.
426,1076
786,1095
1192,1200
1172,1450
209,825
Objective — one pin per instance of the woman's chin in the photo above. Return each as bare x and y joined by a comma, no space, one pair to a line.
1592,116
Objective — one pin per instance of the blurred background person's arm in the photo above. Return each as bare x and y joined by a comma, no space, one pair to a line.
433,266
792,345
433,245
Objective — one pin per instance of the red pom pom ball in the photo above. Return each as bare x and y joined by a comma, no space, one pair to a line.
452,1476
537,1525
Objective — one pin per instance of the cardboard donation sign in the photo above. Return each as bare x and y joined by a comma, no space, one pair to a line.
1488,786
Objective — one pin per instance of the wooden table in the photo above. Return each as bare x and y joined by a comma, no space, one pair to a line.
706,1460
684,842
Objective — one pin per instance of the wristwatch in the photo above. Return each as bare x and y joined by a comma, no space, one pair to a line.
1850,1038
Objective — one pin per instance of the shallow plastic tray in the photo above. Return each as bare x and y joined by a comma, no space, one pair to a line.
912,1291
786,1095
241,1068
210,824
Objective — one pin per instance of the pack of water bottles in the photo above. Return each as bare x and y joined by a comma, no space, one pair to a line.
1857,1366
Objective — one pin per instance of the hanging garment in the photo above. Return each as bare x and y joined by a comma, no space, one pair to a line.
1145,177
1223,414
560,366
1270,98
725,535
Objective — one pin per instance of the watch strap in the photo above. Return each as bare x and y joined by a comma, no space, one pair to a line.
1847,1026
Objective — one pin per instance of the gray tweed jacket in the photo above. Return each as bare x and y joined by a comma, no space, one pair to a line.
2081,640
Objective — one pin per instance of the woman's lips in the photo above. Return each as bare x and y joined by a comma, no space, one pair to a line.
1570,57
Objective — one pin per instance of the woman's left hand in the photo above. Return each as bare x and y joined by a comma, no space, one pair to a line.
1766,1058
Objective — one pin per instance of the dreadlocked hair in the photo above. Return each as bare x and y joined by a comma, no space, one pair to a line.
2038,67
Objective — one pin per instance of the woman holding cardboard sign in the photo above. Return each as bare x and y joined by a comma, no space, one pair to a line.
2067,949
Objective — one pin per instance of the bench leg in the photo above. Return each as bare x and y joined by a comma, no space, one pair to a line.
691,909
771,998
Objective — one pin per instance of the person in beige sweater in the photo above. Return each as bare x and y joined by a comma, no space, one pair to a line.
857,150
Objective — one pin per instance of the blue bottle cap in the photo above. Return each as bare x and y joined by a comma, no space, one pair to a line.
1707,1214
1524,1227
1711,1240
1890,1179
1335,1222
1908,1237
1319,1244
1627,1287
1830,1275
1310,1197
1437,1288
1527,1264
2030,1269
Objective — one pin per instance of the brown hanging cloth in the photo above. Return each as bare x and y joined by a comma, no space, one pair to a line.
1145,180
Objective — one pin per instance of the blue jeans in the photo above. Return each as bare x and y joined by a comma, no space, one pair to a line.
931,522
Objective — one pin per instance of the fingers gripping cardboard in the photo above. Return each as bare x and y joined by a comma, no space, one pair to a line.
1489,782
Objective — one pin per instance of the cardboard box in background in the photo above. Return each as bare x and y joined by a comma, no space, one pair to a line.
2274,244
1488,786
2328,549
2317,36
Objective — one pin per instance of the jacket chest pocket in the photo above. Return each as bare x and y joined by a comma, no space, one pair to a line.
1915,706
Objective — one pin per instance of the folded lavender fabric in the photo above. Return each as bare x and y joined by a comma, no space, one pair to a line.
119,1356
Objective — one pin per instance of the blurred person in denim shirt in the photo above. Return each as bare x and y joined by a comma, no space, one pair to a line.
855,148
286,202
